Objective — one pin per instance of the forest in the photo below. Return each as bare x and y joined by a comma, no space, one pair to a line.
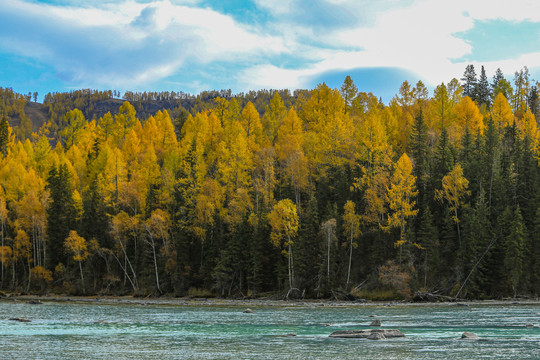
321,193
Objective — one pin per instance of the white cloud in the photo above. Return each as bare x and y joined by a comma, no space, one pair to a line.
128,43
419,37
516,10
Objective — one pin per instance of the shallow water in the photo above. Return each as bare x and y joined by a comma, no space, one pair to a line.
99,331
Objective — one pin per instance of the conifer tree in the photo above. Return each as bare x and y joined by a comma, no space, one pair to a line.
500,85
469,82
491,158
420,154
482,90
348,92
532,252
60,214
533,101
400,197
307,246
477,241
427,238
444,158
441,108
513,260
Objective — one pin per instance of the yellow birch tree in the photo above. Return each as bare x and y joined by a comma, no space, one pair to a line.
76,245
284,222
454,188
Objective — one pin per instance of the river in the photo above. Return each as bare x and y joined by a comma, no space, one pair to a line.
62,330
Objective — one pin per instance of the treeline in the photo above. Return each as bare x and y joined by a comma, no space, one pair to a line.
94,104
58,104
12,107
330,192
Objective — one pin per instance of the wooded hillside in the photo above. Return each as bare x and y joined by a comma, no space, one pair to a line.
311,193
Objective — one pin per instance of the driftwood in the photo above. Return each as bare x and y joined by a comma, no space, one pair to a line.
340,295
295,293
432,297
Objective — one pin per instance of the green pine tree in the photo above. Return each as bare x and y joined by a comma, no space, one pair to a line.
469,82
60,214
513,260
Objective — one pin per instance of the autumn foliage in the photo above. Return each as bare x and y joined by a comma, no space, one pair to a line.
317,190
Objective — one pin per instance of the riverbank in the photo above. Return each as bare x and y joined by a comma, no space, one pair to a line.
249,303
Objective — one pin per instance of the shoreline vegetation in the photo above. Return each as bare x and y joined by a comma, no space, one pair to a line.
250,303
321,194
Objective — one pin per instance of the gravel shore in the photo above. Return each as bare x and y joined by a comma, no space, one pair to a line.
130,300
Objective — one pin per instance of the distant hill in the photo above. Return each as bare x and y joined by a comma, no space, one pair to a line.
36,112
27,116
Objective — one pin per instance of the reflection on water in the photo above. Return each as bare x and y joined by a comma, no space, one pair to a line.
96,331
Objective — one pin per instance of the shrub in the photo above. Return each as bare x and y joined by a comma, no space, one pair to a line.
391,276
41,277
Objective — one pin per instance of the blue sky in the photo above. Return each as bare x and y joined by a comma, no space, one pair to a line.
195,45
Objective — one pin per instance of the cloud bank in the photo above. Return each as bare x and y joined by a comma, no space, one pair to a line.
278,44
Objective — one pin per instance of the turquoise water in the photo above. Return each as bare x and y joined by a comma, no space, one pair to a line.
100,331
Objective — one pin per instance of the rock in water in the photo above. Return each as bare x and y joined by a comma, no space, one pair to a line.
469,336
34,302
376,322
376,336
19,319
364,334
529,325
248,311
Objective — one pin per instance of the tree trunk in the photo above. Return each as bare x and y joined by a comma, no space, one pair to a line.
126,275
291,268
29,276
328,260
290,273
350,260
126,259
458,230
425,269
155,264
82,277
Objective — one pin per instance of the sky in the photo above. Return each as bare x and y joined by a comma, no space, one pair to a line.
197,45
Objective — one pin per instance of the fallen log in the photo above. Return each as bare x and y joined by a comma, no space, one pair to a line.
431,297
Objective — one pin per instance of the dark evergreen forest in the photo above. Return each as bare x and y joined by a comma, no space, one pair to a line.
322,193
